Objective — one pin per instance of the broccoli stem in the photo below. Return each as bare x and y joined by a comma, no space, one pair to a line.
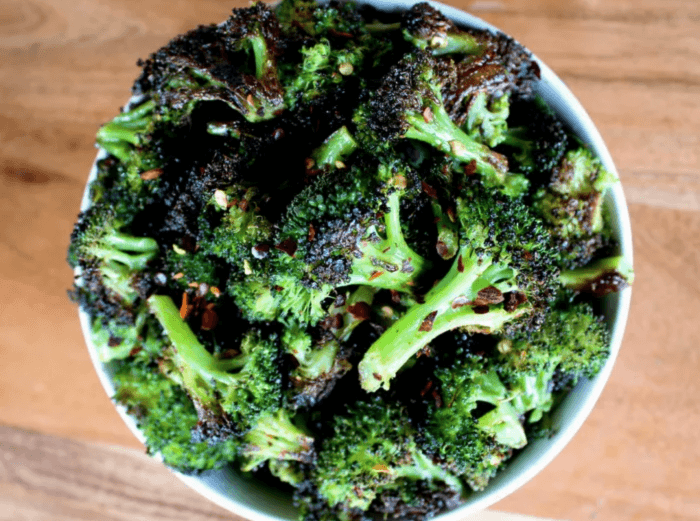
388,263
438,130
446,307
274,437
119,135
189,352
336,147
604,276
423,468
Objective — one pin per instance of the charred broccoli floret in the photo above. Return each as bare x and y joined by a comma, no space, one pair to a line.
502,278
373,453
409,104
166,416
230,394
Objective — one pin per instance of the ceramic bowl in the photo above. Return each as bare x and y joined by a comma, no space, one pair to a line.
254,500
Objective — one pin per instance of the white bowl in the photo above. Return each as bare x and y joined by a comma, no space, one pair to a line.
252,499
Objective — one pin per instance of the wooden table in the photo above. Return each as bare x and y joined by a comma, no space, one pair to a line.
65,67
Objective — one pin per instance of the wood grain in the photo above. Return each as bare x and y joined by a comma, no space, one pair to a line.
46,478
67,65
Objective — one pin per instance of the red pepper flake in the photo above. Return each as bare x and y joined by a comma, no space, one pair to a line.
185,308
395,296
136,350
250,100
427,324
451,214
359,311
377,376
215,291
375,275
288,246
490,295
178,276
429,190
427,388
310,163
243,205
480,310
209,319
312,232
149,175
460,264
425,352
470,168
513,299
438,399
428,115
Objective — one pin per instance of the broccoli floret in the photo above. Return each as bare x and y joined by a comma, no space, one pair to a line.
274,438
572,203
320,362
535,140
100,246
243,236
357,235
128,131
429,30
573,341
166,416
116,339
502,278
337,19
322,68
338,146
373,452
409,104
599,278
230,394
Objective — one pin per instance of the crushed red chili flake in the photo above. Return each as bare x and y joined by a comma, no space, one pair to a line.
149,175
375,275
460,264
438,399
312,232
395,296
490,295
429,190
428,115
360,311
427,324
480,310
451,214
185,308
209,319
136,350
427,388
288,246
470,168
243,205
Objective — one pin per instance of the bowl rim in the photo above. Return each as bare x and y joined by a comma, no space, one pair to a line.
570,414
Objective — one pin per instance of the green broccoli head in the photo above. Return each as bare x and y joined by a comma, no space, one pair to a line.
409,104
573,341
502,279
230,394
372,453
100,246
275,438
166,417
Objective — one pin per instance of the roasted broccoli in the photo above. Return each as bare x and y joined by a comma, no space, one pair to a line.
348,250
